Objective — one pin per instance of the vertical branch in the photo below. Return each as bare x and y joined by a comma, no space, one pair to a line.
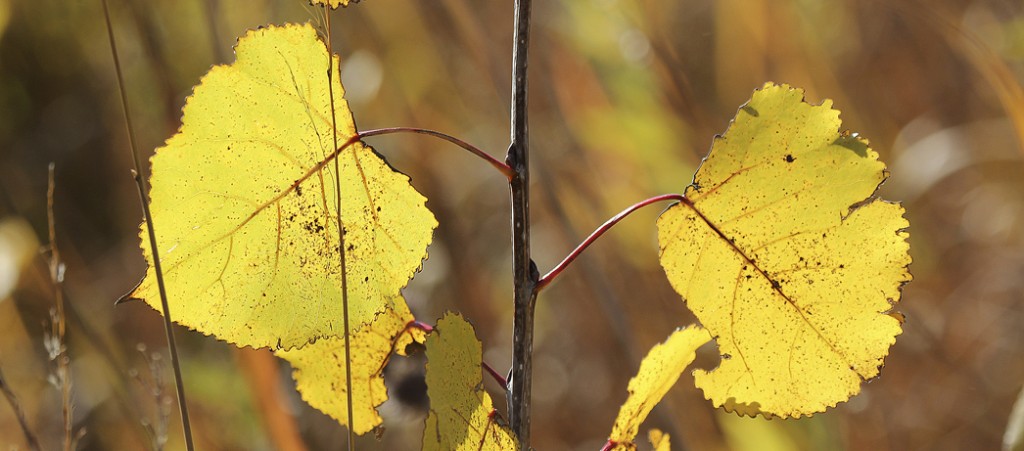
341,232
524,271
143,189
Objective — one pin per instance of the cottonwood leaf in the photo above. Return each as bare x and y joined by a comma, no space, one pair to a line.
658,372
462,416
243,200
319,368
784,254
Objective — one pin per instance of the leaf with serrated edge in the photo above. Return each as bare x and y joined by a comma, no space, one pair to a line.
462,416
243,200
786,257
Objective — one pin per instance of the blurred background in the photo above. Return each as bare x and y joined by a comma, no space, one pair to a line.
626,97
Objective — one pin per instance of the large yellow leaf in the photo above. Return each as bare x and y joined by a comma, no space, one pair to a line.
786,257
461,414
319,368
243,200
658,372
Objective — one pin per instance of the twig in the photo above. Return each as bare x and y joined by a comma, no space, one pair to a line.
497,164
551,275
56,345
524,271
33,442
494,374
143,189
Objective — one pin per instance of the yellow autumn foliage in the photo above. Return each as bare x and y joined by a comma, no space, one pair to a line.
334,4
319,368
658,372
244,203
462,416
660,441
785,256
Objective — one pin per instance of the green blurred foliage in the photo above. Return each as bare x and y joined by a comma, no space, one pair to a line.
626,97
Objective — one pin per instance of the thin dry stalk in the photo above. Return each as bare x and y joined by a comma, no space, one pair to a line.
341,235
55,342
143,189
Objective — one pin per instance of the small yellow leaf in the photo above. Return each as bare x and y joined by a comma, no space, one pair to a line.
243,200
659,440
334,4
319,368
461,414
786,257
658,372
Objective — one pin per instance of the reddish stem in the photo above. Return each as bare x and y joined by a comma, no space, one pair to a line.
497,376
609,445
420,325
551,275
499,165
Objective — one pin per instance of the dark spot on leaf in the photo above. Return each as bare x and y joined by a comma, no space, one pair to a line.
726,356
789,158
750,110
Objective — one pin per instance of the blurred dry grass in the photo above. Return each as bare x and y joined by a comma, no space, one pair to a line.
626,98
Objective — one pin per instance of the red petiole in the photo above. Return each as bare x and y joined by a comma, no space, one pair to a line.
551,275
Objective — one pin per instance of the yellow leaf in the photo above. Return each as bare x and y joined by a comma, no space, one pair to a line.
659,440
461,414
658,372
243,200
319,368
334,4
786,257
